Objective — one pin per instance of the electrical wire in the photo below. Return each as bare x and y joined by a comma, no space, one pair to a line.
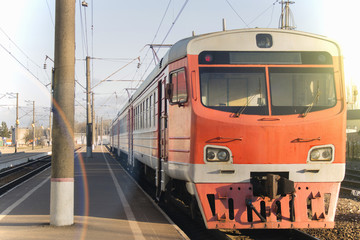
80,104
112,59
80,84
157,31
27,69
237,14
19,48
86,35
272,14
52,20
167,34
115,72
92,39
173,23
263,12
82,30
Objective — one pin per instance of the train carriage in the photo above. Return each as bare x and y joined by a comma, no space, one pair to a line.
249,123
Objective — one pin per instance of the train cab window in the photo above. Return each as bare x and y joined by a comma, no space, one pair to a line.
239,90
301,90
179,89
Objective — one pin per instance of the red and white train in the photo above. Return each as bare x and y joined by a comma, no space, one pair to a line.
247,124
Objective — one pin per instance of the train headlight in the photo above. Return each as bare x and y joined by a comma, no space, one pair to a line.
210,155
214,154
322,153
315,154
264,40
223,155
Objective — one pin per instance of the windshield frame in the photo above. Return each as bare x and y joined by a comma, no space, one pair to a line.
269,109
245,108
312,106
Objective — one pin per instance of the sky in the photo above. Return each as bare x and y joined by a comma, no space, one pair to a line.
116,34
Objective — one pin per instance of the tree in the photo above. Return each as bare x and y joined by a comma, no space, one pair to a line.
39,132
80,127
4,131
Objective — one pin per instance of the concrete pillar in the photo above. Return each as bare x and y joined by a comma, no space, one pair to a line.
62,174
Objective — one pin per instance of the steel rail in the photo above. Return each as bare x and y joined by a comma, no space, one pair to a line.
12,184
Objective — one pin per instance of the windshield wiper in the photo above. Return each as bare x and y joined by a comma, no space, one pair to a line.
242,108
314,101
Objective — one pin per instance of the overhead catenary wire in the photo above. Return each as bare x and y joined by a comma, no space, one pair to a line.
37,65
51,17
122,67
272,14
167,34
263,12
157,31
237,14
27,69
92,39
83,36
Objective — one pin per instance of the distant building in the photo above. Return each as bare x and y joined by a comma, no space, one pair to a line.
80,138
21,138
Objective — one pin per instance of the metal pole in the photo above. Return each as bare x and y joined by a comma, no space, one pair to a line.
17,123
51,102
62,172
101,132
50,128
97,130
93,121
88,110
287,16
33,126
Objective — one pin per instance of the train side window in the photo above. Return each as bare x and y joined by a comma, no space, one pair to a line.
143,115
154,109
150,111
147,113
177,90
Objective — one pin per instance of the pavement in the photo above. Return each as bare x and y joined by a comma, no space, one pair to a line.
108,205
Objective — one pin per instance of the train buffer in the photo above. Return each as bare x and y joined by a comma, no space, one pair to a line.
108,205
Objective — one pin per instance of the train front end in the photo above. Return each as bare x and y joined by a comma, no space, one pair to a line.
268,128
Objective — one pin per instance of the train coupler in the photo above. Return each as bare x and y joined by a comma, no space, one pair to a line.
271,185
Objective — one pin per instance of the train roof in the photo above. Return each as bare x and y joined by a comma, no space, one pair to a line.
194,45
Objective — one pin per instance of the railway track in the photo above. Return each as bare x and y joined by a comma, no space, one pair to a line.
351,183
12,177
195,229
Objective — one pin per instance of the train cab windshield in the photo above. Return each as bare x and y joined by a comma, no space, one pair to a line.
234,89
295,90
244,89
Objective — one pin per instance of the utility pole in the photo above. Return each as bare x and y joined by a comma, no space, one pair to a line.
93,120
17,123
50,128
62,166
97,130
51,102
51,94
88,110
286,19
101,132
33,126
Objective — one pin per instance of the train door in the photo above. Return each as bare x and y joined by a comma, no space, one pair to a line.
162,136
130,136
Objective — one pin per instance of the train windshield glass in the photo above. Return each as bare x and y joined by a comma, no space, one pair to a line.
300,90
238,90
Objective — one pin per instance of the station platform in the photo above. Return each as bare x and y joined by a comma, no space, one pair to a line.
8,158
108,205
